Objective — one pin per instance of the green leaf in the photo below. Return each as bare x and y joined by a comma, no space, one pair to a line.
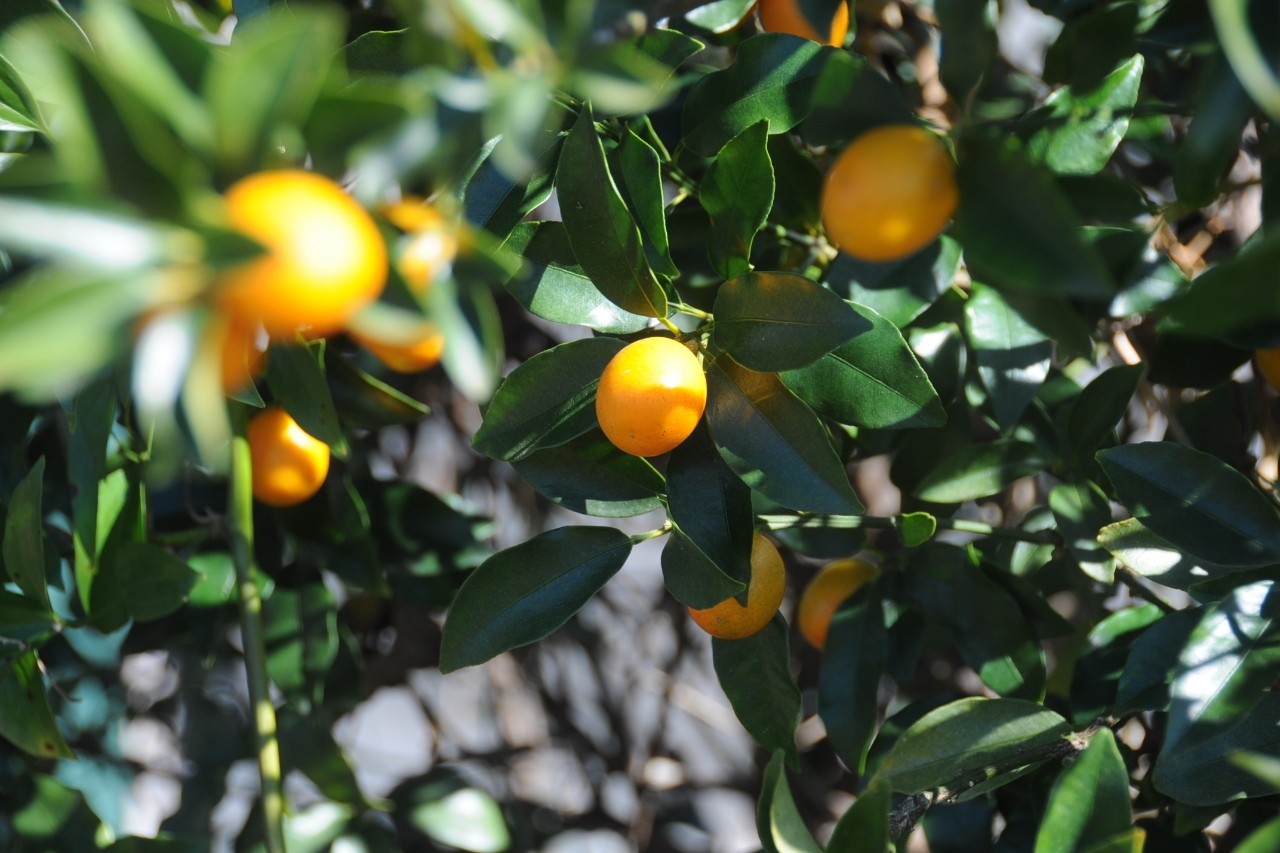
900,291
778,821
22,618
296,375
380,52
1011,355
1081,510
446,809
737,193
553,286
966,736
1153,660
916,528
300,627
642,189
23,550
874,381
95,240
710,507
141,581
849,98
756,676
772,79
864,827
365,402
1089,802
605,239
307,744
522,594
719,16
27,721
1234,301
589,475
774,442
1211,145
497,201
1195,501
1155,558
1264,839
853,661
1017,229
468,319
770,321
1080,132
1100,406
548,400
968,45
978,470
670,47
1202,773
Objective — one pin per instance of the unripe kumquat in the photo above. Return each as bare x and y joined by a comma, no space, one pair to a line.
289,464
651,396
730,620
786,16
889,194
324,259
824,594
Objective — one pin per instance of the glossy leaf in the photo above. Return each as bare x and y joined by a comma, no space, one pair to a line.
603,235
873,381
642,185
28,721
692,576
1081,510
779,823
1195,501
1153,660
968,735
899,291
497,201
853,661
22,618
774,442
864,827
1157,559
547,401
553,286
1100,406
1081,130
591,476
24,545
756,676
978,470
140,581
296,375
1090,801
1199,772
737,193
1234,301
1011,355
771,321
522,594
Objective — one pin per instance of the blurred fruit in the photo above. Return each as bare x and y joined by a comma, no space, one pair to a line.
429,246
785,16
412,357
289,464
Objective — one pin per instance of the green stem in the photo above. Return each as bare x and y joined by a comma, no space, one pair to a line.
651,136
1130,578
1231,17
693,312
894,522
651,534
240,530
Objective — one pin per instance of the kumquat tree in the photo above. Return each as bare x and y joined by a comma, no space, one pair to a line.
685,425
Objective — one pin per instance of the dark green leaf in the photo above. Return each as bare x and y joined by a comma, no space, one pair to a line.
141,581
692,576
1090,801
497,201
1011,355
1153,660
1195,501
591,476
872,381
306,744
1155,558
1202,773
774,442
522,594
1018,231
1081,510
301,633
27,721
642,188
366,402
605,239
446,809
548,400
296,376
778,821
553,286
853,661
670,47
864,827
1100,407
1212,142
849,98
968,44
966,736
978,470
756,676
24,548
770,321
737,193
900,291
1081,131
1235,301
380,52
23,618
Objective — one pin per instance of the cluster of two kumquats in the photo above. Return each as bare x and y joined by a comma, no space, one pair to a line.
324,260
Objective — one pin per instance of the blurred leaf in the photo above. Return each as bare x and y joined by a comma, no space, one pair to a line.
771,79
1080,132
27,721
778,821
306,744
670,47
1081,510
300,627
1017,229
605,239
1089,802
139,581
968,44
1144,683
771,321
1100,406
1212,142
296,375
215,580
719,16
1195,501
873,381
979,470
864,827
96,240
24,545
774,442
968,735
756,676
853,661
1011,355
380,52
553,286
366,402
23,618
589,475
642,190
468,319
548,400
1264,839
900,291
1234,301
849,98
1155,558
737,193
497,201
522,594
711,508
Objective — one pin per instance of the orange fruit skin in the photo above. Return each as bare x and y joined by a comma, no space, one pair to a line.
1268,361
289,464
414,357
785,16
890,193
823,596
429,246
651,396
324,259
729,620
